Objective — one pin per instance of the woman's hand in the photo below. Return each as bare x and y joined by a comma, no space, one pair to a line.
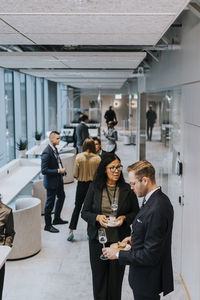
102,220
121,219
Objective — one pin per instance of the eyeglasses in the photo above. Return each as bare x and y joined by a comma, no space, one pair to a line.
115,168
132,184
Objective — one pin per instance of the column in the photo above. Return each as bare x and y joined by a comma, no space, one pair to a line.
3,149
17,108
30,96
46,104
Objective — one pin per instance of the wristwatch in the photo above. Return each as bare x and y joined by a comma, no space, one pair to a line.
117,255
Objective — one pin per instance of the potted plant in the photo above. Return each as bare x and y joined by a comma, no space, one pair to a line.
38,137
21,147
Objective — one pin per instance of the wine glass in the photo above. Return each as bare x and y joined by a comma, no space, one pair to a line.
102,239
114,205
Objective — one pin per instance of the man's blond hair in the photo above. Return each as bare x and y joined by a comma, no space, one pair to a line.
143,168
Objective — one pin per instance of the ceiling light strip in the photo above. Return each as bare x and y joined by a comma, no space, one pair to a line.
90,14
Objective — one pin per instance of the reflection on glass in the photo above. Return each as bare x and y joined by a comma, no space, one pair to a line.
23,106
9,98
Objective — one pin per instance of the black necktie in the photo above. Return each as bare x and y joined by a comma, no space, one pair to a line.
143,202
58,157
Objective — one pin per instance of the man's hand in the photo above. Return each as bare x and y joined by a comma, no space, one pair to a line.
127,240
110,253
121,219
61,171
102,220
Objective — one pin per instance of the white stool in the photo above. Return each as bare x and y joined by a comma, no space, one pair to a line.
27,225
68,160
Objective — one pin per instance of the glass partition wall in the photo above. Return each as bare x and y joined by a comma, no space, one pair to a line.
10,130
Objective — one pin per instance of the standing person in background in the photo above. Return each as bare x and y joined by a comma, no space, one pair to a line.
110,115
99,150
151,119
112,137
6,235
108,186
150,256
85,167
82,132
53,171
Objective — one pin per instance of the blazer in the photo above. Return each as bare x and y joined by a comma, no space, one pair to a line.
81,133
49,168
127,206
150,255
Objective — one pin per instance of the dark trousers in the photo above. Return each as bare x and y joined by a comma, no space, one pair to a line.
139,297
81,191
2,273
49,205
107,275
149,131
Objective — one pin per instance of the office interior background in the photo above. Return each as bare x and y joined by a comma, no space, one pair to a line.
59,58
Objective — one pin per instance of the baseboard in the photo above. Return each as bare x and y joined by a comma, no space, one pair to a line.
185,287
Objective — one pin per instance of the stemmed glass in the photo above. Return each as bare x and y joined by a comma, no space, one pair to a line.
114,205
102,239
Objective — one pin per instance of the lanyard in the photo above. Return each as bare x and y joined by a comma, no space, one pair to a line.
109,194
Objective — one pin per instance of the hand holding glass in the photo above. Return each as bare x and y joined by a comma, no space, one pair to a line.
102,239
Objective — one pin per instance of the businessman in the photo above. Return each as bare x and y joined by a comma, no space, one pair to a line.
53,172
151,119
150,256
82,132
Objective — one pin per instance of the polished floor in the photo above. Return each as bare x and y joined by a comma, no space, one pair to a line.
61,270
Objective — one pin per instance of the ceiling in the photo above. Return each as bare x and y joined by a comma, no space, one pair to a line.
83,23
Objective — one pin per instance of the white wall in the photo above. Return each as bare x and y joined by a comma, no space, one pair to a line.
177,67
181,69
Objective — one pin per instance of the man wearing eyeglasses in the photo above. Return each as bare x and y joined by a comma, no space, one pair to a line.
150,256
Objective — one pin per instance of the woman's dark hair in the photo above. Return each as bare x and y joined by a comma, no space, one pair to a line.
89,145
100,178
97,139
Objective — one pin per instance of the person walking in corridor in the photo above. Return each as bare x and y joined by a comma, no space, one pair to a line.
82,132
110,115
151,119
150,256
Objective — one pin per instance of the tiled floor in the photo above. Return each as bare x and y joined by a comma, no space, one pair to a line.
61,270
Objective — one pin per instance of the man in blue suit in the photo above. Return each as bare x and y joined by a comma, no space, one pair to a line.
53,172
150,255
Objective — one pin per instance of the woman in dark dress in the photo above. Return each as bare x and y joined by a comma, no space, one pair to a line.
108,187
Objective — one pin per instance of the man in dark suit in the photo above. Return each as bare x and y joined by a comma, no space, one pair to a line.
151,119
82,132
150,255
110,115
53,172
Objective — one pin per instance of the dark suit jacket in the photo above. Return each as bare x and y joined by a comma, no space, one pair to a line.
127,206
81,133
150,256
49,168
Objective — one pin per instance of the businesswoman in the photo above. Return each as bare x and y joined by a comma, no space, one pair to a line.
108,186
85,167
112,137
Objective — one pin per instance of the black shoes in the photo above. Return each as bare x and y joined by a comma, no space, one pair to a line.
59,222
51,229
